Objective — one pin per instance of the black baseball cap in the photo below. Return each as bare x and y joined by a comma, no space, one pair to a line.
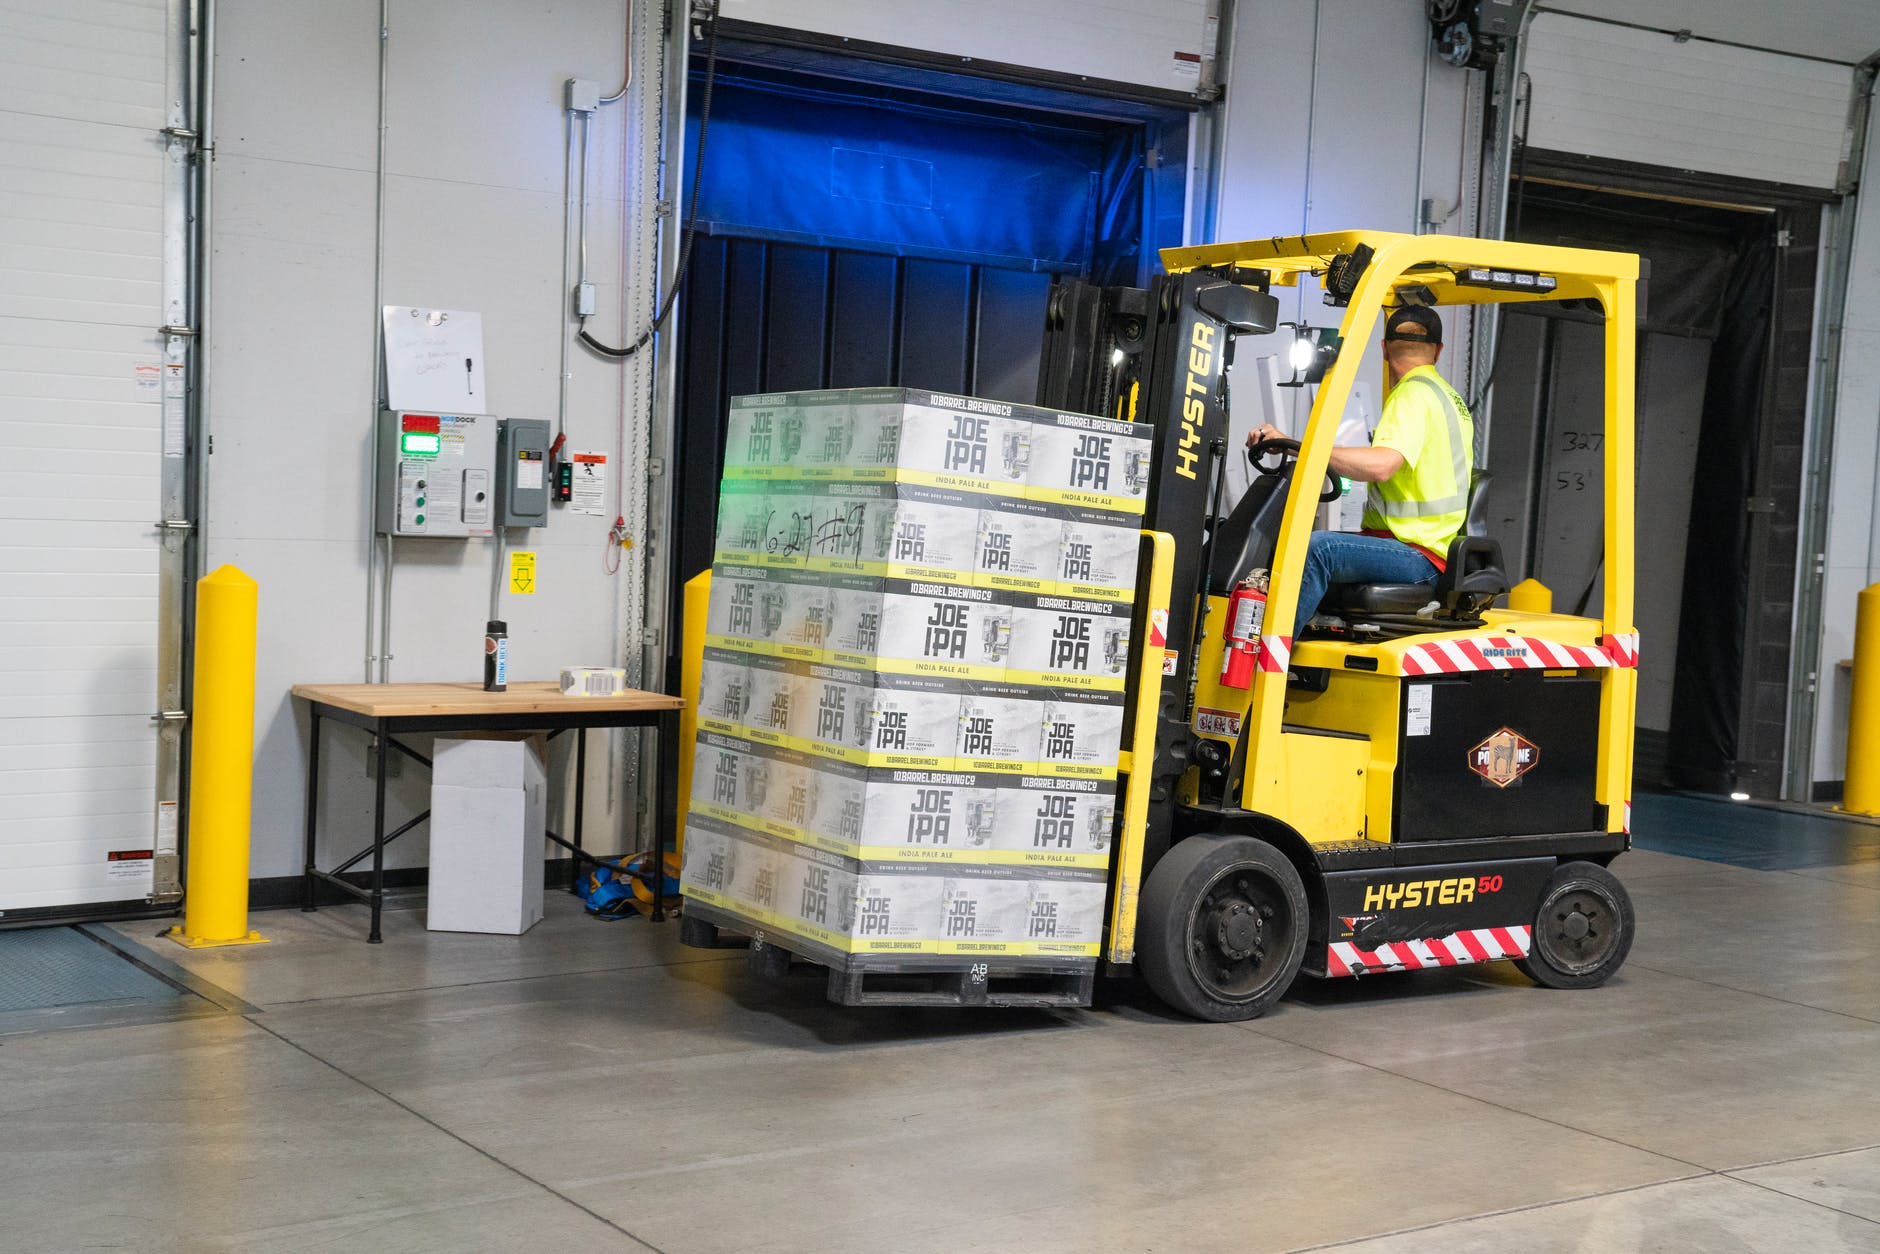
1423,316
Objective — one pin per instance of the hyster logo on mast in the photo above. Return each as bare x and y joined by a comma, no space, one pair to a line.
1504,757
1199,383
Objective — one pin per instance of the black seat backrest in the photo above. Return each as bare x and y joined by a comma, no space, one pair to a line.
1476,524
1473,577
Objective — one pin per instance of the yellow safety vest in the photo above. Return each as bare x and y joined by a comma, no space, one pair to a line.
1426,503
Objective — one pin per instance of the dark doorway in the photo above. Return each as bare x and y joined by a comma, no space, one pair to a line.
1727,307
863,224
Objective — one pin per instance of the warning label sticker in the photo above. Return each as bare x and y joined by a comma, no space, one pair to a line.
129,865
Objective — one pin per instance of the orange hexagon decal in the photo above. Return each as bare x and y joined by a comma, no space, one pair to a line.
1504,757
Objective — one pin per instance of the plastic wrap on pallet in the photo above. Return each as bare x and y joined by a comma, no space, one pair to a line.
911,700
858,907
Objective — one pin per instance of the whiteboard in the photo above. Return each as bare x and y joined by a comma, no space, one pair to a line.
434,359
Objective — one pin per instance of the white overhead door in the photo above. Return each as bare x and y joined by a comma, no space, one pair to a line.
1150,43
84,98
1605,90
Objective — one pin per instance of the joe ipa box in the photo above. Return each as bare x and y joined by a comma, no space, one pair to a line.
1000,729
943,629
1055,821
984,911
746,609
893,815
773,690
1017,548
724,691
1078,459
1083,732
918,627
965,442
924,533
860,907
1095,557
1069,642
1065,915
763,436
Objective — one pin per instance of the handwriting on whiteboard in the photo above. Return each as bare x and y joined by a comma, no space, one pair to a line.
434,359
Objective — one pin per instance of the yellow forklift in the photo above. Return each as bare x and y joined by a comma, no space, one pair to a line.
1420,780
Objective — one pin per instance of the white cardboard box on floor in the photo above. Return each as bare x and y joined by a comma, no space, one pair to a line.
488,808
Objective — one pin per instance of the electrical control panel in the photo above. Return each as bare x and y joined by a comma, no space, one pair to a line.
522,473
437,474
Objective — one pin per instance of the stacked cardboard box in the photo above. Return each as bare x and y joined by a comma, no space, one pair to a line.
912,695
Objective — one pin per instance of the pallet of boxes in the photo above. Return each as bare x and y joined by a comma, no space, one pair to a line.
912,691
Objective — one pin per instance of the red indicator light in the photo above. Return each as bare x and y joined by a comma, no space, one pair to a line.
421,422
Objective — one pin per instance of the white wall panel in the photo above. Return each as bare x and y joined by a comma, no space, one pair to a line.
1136,43
1612,91
473,220
1324,118
81,234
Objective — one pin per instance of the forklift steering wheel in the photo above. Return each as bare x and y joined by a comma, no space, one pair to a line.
1290,449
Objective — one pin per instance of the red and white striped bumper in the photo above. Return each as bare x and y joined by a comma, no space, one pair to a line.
1513,653
1487,944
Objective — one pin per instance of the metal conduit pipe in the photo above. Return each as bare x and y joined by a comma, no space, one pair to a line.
380,655
205,191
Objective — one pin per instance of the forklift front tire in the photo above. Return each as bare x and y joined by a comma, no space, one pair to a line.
1582,930
1222,927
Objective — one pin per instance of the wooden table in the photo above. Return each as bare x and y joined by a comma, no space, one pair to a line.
387,709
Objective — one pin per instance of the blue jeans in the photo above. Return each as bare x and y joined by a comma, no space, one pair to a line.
1346,557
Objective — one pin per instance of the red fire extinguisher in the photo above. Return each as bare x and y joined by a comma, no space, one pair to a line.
1246,614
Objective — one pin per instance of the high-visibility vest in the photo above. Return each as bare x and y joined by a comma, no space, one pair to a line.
1426,503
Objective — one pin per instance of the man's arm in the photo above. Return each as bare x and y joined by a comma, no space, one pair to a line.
1366,464
1363,463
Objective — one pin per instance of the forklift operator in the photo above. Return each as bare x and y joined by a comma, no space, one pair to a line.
1417,466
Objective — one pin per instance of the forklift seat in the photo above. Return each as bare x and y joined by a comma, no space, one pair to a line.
1473,580
1470,583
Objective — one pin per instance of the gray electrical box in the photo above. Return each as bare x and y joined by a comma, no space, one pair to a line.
522,473
437,474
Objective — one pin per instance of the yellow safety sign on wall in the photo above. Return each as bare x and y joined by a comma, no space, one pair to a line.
522,571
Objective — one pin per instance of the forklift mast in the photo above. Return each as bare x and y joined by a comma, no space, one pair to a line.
1160,356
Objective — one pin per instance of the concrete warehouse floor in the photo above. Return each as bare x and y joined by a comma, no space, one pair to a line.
596,1086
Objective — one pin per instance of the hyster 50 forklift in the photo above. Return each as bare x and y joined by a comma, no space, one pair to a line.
1421,779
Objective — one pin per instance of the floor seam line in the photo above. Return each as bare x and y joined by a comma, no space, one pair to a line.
1496,1214
468,1144
1431,1084
1795,1197
1750,992
1801,1158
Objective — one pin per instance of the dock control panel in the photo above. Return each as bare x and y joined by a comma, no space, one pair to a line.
437,474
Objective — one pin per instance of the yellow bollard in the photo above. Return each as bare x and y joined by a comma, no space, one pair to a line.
698,595
221,764
1531,596
1863,709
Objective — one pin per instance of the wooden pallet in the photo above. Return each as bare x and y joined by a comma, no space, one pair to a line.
887,980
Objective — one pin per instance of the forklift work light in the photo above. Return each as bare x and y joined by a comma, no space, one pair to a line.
1311,354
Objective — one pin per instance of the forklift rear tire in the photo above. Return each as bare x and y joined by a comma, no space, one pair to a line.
1222,927
1582,930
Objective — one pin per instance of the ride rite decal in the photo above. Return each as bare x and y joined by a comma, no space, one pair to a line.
1200,381
1504,757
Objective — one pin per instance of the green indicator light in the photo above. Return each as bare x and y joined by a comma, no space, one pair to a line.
420,444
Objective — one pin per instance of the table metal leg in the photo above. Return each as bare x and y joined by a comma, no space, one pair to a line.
308,899
665,806
580,798
381,748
